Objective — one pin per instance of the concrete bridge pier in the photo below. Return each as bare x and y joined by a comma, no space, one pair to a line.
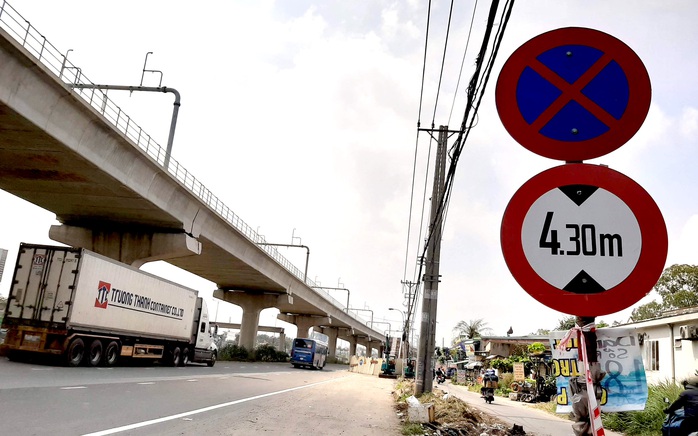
304,322
352,345
366,342
332,333
131,247
252,305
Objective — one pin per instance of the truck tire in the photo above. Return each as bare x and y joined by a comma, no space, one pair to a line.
176,356
75,352
95,355
185,357
212,362
111,354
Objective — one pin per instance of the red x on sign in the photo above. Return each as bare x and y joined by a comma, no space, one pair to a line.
573,94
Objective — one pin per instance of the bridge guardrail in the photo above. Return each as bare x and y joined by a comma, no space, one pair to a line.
37,44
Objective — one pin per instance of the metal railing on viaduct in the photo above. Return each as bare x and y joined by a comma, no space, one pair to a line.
35,43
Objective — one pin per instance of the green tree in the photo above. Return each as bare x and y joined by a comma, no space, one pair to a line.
566,323
653,309
677,288
474,328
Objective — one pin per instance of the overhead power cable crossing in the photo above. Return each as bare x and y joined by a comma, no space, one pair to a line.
416,145
475,92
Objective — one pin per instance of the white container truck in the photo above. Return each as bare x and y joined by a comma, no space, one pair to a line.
93,310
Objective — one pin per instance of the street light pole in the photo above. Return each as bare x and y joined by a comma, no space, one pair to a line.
307,256
366,310
337,289
385,322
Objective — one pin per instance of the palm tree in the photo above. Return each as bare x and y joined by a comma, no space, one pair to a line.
472,329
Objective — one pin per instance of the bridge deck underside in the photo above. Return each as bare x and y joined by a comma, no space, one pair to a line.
60,154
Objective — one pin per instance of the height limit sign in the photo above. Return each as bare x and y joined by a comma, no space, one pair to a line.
584,239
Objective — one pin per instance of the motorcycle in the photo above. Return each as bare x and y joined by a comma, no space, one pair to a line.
490,382
440,378
672,424
487,394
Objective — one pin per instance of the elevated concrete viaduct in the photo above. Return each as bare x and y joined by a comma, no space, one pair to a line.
76,154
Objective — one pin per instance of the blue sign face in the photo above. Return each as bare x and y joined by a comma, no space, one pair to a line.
573,94
608,90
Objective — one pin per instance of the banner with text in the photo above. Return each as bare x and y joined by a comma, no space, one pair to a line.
624,386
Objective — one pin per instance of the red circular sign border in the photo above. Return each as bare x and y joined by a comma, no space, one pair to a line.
644,275
640,95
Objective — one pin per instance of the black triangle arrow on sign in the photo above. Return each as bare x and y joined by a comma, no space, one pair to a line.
582,283
578,193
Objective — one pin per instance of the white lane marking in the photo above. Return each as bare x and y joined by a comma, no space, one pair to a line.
204,409
67,388
192,380
42,369
147,383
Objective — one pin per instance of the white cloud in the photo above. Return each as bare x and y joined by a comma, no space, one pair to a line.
689,123
302,118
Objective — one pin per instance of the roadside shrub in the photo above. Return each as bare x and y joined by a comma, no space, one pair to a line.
267,353
645,422
505,381
233,352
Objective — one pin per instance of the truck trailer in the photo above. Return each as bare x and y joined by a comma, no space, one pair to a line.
92,310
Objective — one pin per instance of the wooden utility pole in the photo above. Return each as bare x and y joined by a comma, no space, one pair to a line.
423,377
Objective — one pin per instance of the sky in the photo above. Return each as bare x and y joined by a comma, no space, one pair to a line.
302,117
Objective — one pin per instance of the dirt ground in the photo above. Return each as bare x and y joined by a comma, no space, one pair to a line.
353,405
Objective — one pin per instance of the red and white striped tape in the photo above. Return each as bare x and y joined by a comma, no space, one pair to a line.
594,409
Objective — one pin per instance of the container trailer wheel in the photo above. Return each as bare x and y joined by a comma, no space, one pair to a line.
176,357
185,357
75,352
95,356
111,354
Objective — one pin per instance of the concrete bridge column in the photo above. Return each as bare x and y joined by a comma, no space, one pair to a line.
366,342
352,345
332,333
370,348
252,304
282,340
304,322
131,247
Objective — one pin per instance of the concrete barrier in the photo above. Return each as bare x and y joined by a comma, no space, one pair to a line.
365,365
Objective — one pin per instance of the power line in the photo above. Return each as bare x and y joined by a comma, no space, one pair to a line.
424,67
443,61
475,93
460,73
477,84
416,145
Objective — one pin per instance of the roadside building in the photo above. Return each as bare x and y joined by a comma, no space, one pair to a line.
669,345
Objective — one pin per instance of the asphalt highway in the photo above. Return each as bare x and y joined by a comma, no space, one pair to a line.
230,398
